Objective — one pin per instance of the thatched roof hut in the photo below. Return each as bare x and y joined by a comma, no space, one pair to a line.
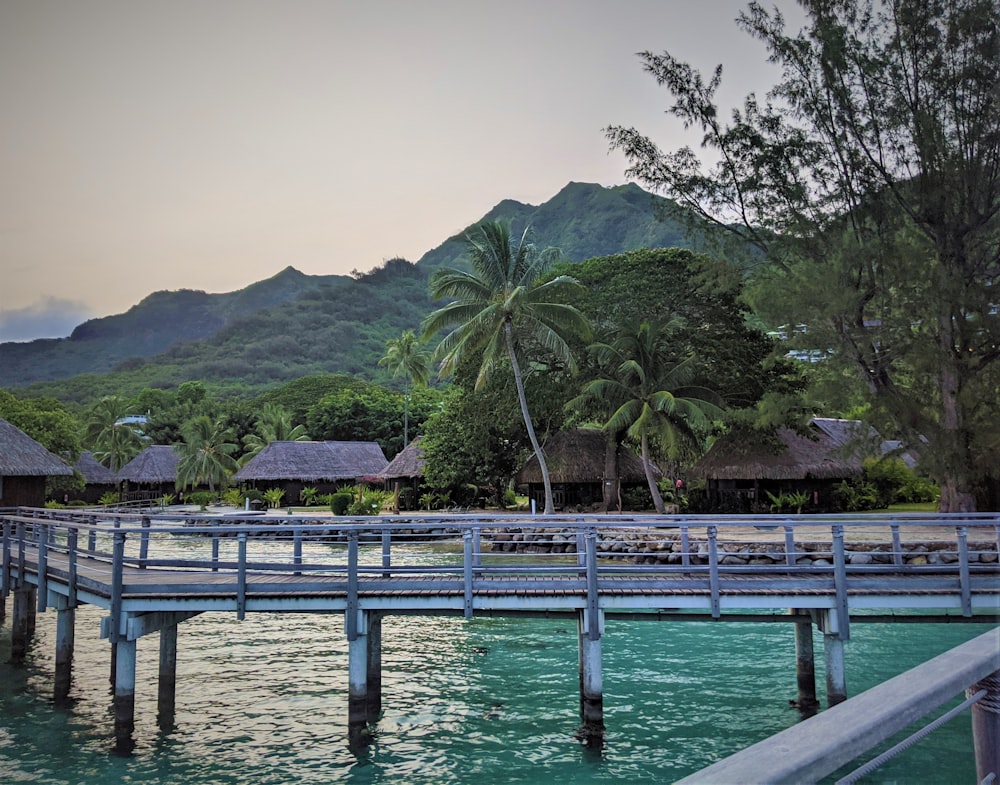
741,473
578,456
24,465
833,449
409,464
94,472
575,460
156,465
314,462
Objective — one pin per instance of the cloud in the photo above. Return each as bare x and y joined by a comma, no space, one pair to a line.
48,318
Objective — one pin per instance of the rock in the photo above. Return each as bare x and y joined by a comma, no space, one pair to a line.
860,558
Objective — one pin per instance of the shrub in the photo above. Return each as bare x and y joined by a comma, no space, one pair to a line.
370,501
309,496
201,498
166,499
108,497
233,497
273,496
407,499
340,502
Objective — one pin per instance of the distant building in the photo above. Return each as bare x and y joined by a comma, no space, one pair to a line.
325,466
151,474
24,466
98,478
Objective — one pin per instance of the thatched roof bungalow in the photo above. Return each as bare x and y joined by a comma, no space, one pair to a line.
24,465
98,478
293,466
404,475
151,473
576,463
741,474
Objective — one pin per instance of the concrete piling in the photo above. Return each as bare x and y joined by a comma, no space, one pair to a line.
65,637
124,697
805,668
591,731
986,727
167,678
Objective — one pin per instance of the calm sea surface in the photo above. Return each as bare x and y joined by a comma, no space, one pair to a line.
264,702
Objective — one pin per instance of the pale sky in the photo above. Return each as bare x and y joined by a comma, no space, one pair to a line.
208,144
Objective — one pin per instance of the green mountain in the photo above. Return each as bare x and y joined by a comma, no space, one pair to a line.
294,324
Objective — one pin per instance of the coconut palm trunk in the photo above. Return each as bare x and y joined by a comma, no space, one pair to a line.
647,467
523,400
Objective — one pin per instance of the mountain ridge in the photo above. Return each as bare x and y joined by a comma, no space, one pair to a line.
293,323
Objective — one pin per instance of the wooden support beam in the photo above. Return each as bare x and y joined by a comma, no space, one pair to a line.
20,634
986,726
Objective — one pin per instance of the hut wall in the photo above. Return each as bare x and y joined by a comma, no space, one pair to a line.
22,491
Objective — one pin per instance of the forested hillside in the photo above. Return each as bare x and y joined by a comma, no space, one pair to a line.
295,324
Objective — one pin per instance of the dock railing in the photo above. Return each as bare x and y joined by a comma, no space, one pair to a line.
822,744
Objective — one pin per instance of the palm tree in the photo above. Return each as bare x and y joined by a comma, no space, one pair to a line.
499,307
274,424
112,438
404,357
206,454
650,394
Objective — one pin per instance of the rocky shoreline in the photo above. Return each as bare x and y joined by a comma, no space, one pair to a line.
653,547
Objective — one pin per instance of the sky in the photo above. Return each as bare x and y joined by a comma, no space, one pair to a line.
208,144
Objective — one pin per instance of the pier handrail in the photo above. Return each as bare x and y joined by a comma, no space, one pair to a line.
815,747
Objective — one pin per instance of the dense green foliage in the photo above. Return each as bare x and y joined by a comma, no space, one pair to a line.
871,182
503,310
296,325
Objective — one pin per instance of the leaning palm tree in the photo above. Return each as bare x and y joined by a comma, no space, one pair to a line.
404,357
500,307
112,438
274,424
206,454
650,395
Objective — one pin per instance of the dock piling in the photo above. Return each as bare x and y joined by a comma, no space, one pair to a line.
805,667
167,678
65,636
124,698
986,727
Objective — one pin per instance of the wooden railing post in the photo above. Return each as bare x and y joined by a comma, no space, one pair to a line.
713,569
351,617
467,570
71,553
42,531
241,577
117,584
840,580
386,552
144,542
297,550
963,570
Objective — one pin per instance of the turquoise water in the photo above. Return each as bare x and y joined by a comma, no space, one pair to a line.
481,701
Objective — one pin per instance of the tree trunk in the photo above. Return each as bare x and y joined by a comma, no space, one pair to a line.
406,416
955,494
610,492
523,400
647,467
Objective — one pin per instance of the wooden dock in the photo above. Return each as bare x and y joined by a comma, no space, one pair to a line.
153,570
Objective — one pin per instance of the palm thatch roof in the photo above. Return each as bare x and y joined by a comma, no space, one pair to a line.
578,456
833,449
408,464
22,456
314,461
155,465
94,472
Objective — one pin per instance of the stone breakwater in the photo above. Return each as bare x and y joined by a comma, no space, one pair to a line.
653,547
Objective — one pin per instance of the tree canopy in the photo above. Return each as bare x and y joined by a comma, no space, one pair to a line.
870,179
503,309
